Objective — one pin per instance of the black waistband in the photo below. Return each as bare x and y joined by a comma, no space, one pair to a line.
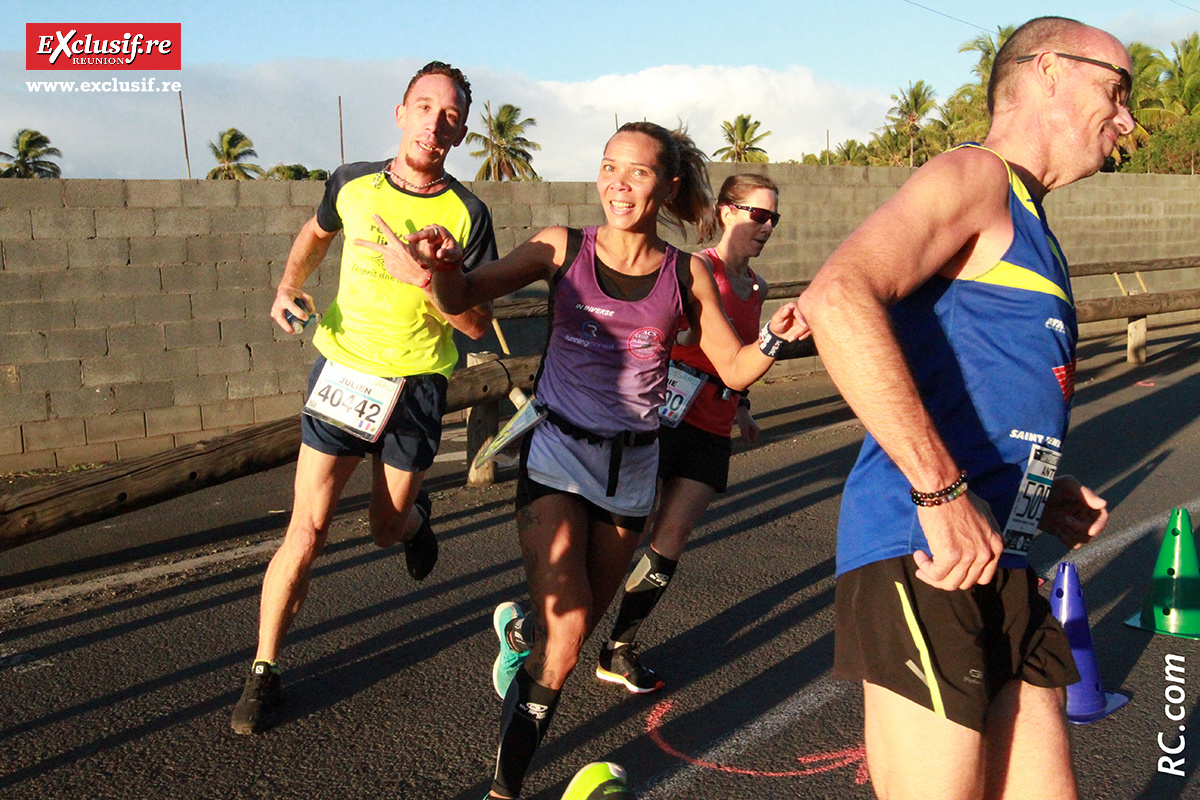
619,443
626,438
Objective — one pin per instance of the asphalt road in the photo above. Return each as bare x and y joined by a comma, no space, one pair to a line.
123,645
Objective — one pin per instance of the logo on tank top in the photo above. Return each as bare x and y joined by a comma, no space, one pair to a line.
647,342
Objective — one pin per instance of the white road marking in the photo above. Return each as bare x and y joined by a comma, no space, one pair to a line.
57,593
1109,543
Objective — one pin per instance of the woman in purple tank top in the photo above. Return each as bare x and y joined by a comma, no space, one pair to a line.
587,478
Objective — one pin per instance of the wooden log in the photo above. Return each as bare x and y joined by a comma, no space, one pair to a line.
1151,265
1137,305
93,495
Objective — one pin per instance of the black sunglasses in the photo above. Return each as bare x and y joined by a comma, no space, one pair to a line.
759,216
1126,78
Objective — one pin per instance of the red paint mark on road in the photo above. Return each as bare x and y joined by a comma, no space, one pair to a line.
1145,383
822,762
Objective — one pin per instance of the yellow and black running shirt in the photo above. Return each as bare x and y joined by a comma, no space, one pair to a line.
377,324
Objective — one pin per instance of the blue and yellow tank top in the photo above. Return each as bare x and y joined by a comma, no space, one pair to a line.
993,358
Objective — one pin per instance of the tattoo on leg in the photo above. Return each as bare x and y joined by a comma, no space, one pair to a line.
527,517
529,555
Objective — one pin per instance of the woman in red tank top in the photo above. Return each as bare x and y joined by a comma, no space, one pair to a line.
694,454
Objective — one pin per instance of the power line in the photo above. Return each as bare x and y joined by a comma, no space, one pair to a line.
1181,5
956,19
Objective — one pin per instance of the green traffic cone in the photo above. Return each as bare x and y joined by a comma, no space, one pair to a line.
1173,605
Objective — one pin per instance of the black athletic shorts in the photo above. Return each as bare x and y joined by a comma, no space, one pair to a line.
950,651
412,435
695,454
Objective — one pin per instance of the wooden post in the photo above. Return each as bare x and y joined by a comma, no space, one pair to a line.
1135,341
483,423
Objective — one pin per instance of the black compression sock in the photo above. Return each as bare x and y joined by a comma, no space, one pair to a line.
645,586
528,709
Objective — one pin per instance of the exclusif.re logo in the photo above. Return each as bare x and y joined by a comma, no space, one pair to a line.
102,45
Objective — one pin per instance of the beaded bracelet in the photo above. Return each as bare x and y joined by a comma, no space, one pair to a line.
768,342
951,492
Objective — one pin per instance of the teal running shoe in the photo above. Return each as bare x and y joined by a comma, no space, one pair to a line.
509,660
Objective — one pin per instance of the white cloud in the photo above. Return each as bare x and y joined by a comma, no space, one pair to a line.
290,110
1155,30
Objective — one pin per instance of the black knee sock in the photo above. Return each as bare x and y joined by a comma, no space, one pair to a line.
528,709
645,586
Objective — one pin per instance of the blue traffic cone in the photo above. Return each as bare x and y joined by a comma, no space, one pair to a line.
1173,605
1086,700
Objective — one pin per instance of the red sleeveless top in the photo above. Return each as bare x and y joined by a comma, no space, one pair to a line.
709,412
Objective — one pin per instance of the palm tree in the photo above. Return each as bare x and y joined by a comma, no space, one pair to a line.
1143,99
287,172
850,153
231,151
505,150
1179,90
987,47
29,158
741,141
887,149
912,106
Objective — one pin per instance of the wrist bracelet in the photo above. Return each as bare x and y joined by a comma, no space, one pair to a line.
768,342
951,492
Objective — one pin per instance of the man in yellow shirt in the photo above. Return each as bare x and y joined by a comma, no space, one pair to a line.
379,385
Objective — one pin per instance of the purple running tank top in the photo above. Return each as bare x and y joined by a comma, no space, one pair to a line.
605,367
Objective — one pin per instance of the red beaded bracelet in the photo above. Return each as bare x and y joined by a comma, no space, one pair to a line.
951,492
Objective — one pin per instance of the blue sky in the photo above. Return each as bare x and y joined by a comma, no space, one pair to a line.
275,70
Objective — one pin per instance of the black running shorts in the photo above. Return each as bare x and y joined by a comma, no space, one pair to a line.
410,440
695,454
949,651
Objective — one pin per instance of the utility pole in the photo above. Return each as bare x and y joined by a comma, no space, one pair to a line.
183,122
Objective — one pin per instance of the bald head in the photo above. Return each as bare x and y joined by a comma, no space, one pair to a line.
1055,34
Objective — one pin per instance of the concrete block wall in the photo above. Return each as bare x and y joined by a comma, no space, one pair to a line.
133,314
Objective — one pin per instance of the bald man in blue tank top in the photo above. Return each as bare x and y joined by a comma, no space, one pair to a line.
947,322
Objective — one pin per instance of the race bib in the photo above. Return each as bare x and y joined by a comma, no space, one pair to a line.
683,384
358,403
1027,511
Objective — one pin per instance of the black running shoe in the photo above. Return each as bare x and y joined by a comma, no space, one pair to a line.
621,665
421,549
260,698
